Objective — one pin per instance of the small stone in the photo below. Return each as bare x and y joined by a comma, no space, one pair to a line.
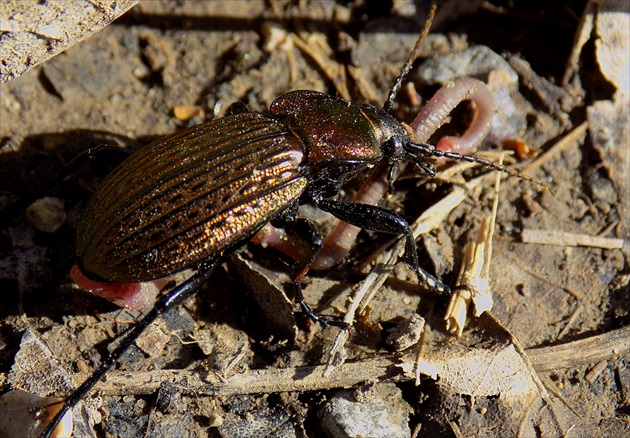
47,214
186,112
153,340
224,345
385,415
476,61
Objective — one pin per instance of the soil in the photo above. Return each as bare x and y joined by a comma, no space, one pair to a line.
168,65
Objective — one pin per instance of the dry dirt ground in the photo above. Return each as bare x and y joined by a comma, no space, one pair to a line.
226,365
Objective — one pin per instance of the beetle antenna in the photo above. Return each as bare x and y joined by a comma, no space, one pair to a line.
389,103
416,149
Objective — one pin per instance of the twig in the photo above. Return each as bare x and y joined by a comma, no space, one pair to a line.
560,146
606,346
577,295
430,220
389,367
569,323
474,275
270,380
334,71
563,238
554,390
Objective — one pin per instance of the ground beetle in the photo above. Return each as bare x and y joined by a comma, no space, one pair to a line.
187,199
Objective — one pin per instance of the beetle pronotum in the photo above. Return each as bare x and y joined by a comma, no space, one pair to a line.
151,219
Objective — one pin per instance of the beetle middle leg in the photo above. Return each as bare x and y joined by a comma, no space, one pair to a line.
305,241
370,217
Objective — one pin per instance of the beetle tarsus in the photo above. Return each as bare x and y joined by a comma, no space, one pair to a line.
308,311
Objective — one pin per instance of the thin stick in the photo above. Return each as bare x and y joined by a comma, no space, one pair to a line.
563,238
388,367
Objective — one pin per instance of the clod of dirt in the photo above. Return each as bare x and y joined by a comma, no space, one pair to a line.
406,333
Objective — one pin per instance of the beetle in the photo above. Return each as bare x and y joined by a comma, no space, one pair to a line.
150,219
187,199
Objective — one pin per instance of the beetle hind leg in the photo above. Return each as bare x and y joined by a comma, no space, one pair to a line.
171,300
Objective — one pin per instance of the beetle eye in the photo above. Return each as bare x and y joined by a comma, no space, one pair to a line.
393,149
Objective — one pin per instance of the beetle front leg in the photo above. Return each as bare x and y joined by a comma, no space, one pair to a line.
434,114
378,219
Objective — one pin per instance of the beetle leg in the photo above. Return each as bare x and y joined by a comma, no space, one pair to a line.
12,211
297,229
308,233
378,219
176,296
